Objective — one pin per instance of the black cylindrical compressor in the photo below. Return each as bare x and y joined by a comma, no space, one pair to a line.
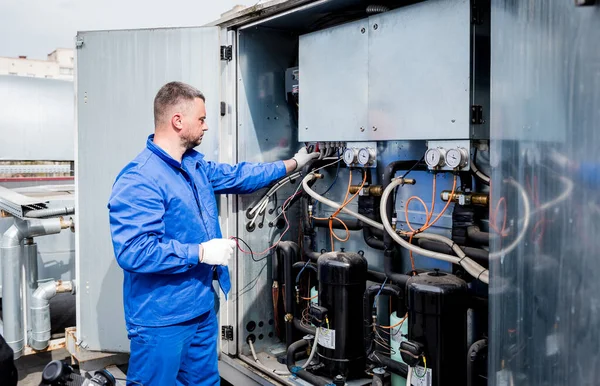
342,282
437,316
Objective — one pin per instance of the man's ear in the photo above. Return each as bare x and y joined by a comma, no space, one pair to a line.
177,121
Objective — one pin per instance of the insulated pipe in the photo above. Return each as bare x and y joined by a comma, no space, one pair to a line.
475,234
479,255
352,224
392,366
474,351
52,212
463,260
371,240
289,252
40,311
302,328
469,265
11,254
303,374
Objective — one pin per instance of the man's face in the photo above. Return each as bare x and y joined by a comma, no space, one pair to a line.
194,124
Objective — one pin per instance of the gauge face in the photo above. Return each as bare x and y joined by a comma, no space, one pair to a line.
456,158
453,158
349,156
433,157
364,156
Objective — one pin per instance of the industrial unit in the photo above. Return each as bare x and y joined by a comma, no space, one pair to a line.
445,235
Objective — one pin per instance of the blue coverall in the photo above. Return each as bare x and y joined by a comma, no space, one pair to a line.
160,211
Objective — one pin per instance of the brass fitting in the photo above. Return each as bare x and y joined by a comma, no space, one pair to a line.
318,175
481,199
371,190
288,318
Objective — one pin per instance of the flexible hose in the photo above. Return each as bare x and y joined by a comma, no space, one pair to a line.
469,265
314,349
373,9
485,179
463,260
258,362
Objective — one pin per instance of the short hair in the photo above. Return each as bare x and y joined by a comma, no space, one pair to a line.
170,95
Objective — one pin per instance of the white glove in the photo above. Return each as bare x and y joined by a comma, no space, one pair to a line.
302,157
217,251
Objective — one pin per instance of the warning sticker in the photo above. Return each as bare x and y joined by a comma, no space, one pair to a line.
327,338
421,377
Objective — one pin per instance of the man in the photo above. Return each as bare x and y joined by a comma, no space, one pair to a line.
166,237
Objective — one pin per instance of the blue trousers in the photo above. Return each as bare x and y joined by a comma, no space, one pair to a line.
182,354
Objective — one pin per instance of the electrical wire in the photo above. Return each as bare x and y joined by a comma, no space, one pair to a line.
252,282
238,239
399,324
337,173
313,351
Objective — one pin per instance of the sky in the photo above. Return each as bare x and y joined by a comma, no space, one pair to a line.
36,27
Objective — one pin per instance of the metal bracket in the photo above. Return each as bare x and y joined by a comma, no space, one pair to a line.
79,42
227,332
227,53
477,115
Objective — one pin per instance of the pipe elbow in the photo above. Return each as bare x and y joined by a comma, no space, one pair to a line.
12,237
44,292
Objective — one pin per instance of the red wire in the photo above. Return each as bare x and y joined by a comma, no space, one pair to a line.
280,237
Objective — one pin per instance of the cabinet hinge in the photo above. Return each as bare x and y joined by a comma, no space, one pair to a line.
227,53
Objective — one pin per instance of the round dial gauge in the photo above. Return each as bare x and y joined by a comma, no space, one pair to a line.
366,156
456,158
350,156
434,157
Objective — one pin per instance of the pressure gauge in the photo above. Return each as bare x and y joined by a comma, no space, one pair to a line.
350,155
434,157
457,158
366,156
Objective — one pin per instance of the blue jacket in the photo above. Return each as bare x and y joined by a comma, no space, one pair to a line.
160,211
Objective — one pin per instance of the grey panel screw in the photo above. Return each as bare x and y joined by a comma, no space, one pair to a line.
375,26
362,129
374,128
363,30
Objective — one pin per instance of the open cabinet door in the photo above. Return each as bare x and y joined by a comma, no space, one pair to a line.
118,76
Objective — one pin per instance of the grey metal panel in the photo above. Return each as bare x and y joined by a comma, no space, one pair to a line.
118,75
419,71
545,294
266,132
37,120
334,66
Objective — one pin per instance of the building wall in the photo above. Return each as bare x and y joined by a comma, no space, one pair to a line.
59,65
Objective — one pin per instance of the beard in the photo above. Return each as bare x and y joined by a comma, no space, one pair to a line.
191,142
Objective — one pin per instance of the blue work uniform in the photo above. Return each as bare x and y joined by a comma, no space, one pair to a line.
160,211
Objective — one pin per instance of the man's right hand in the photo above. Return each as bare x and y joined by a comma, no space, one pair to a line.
217,251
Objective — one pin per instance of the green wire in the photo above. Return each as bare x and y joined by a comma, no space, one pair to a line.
424,372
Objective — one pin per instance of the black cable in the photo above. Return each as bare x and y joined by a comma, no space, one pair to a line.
254,282
128,380
250,250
